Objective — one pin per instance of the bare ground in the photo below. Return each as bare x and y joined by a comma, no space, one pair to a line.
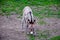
10,28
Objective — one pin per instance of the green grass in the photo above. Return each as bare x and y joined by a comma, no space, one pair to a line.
55,38
8,6
31,37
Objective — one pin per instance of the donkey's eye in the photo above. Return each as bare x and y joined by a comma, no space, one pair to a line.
28,20
34,20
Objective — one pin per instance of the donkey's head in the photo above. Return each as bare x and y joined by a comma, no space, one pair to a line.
31,22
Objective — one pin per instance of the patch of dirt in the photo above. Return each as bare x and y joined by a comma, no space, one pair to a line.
52,24
11,29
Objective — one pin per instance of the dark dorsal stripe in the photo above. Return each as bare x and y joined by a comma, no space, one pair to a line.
31,16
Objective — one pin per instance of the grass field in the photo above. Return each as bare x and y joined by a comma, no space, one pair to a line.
39,7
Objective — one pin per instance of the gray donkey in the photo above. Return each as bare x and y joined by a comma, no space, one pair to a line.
28,20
